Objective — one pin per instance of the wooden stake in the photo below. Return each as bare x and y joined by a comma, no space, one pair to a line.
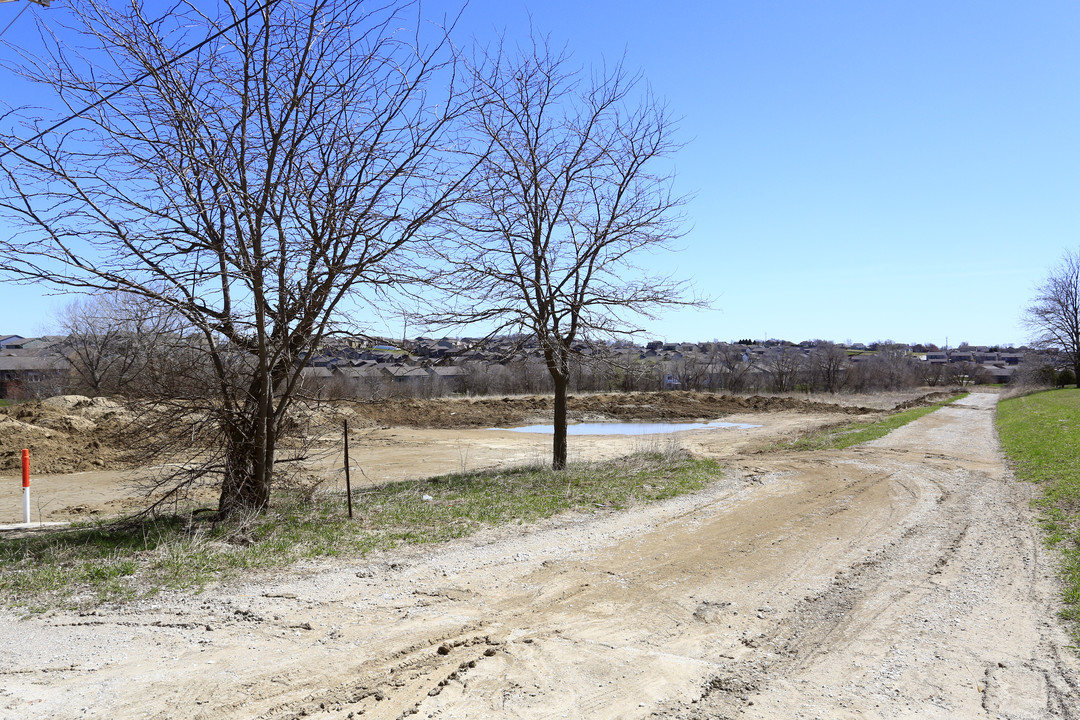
348,485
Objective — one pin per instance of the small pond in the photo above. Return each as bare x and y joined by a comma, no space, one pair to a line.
635,428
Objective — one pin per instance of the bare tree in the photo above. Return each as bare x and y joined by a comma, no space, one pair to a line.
1054,316
966,372
828,362
737,366
892,366
252,184
932,374
783,365
630,371
113,339
572,191
693,371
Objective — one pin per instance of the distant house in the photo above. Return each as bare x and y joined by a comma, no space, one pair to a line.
27,376
361,371
441,348
319,372
937,358
1000,375
406,374
323,361
452,377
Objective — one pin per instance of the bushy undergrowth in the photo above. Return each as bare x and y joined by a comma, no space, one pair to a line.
1041,435
838,438
88,565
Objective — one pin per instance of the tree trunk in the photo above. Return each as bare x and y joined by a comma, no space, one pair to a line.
246,486
250,441
558,450
557,359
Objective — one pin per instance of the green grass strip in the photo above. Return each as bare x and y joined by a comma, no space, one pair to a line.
1040,433
89,565
860,432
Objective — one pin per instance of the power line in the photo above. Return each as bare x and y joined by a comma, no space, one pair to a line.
14,19
136,81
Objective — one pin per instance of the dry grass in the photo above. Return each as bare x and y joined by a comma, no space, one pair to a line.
96,563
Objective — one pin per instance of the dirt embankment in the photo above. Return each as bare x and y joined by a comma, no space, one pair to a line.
71,433
64,434
672,406
926,399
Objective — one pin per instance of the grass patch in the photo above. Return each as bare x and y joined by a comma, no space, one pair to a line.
1041,435
89,565
860,432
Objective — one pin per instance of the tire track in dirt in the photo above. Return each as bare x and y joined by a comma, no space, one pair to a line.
949,620
898,579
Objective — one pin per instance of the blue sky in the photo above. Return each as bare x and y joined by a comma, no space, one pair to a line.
862,171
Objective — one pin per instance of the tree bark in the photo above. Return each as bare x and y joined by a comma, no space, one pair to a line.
557,359
251,431
246,485
558,448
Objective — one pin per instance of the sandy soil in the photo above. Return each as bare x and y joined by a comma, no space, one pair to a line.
78,472
900,579
381,454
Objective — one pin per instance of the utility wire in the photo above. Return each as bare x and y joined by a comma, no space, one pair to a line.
14,19
136,81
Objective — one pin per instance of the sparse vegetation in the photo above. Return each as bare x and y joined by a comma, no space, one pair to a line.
1039,434
92,564
845,436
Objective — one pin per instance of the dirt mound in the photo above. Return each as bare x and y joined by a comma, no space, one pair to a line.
82,406
673,406
324,418
63,435
926,399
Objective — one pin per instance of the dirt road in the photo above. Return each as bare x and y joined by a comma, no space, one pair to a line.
899,579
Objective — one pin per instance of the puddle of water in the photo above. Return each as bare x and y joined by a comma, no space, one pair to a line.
627,428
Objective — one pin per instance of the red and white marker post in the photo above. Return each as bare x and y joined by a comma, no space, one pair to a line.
26,485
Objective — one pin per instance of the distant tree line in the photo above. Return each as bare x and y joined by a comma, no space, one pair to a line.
120,347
